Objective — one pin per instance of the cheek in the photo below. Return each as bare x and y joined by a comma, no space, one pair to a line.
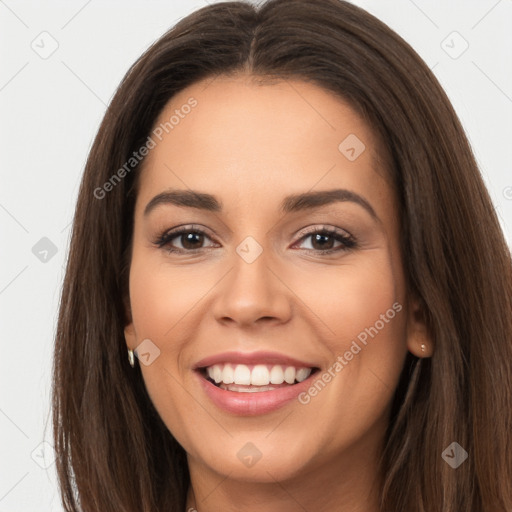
366,298
359,303
160,300
351,297
165,301
162,297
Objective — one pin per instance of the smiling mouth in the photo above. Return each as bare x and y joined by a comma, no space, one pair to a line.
242,378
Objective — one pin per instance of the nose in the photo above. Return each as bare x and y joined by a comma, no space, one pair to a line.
252,294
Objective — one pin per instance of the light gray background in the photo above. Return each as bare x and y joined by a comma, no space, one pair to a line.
50,109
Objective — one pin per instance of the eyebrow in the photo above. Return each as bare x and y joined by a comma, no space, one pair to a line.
290,204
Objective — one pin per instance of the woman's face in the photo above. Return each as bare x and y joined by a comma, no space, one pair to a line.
255,290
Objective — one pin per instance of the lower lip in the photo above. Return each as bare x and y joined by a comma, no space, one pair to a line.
252,404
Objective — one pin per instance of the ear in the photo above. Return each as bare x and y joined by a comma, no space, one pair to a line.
419,340
130,336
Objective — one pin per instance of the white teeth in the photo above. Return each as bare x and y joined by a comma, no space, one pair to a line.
217,373
246,389
302,374
228,374
260,375
289,375
276,375
242,374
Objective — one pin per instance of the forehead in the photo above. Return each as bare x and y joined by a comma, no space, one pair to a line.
233,136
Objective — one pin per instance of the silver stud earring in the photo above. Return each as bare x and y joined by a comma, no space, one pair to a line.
131,358
423,347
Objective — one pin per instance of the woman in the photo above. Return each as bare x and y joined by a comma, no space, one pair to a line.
282,221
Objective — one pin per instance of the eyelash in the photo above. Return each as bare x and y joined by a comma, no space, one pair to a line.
348,242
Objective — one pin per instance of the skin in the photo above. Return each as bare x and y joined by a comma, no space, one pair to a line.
250,145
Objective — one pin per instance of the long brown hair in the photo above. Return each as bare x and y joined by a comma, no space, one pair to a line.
114,453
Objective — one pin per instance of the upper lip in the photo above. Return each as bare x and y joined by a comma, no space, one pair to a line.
261,357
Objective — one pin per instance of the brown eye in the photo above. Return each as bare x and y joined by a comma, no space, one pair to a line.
323,240
183,240
191,240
